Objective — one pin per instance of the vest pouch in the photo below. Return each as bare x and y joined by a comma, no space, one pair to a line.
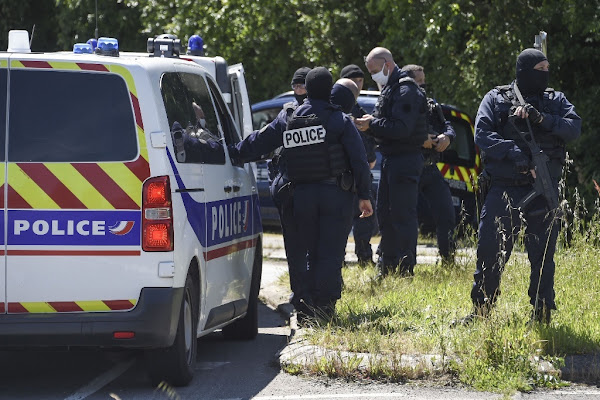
346,181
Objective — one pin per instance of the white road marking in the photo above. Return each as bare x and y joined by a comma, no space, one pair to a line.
102,380
332,396
207,365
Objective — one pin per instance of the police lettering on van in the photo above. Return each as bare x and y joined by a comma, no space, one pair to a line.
94,228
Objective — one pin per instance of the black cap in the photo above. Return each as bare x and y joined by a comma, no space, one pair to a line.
352,71
319,83
300,75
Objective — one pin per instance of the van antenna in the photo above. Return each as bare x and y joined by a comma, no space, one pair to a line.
31,38
96,31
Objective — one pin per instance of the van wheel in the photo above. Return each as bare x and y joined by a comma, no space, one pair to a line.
175,364
246,328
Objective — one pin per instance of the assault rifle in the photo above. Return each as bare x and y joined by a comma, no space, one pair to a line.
542,185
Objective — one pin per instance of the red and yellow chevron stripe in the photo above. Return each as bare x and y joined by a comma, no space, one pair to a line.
67,306
464,174
100,186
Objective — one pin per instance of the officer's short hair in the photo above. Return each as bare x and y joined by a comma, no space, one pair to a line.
411,68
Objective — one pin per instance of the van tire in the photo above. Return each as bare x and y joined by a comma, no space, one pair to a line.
175,364
246,328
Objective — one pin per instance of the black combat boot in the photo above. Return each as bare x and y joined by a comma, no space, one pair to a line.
541,314
363,251
383,270
479,312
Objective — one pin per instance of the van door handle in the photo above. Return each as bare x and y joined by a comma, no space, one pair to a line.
236,188
227,189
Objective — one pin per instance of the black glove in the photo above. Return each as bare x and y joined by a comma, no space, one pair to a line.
534,115
522,166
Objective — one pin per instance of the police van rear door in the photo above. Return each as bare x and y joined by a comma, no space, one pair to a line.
240,106
3,99
73,191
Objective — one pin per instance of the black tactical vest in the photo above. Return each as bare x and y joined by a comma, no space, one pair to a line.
553,146
310,155
383,110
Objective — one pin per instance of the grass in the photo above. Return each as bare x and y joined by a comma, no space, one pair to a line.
397,316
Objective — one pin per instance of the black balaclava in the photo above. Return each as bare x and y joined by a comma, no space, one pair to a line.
352,71
529,80
318,84
343,97
300,77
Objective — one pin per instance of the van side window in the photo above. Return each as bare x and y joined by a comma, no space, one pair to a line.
69,116
192,121
229,128
3,73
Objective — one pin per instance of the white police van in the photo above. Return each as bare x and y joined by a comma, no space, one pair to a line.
109,237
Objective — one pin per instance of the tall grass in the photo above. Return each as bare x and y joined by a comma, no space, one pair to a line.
413,316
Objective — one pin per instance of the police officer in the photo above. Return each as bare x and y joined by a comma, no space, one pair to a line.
320,146
433,188
280,188
362,228
507,158
399,126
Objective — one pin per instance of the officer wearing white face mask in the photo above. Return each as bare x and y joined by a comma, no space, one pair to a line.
399,126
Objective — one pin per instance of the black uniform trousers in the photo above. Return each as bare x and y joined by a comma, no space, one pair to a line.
435,191
282,194
397,210
498,227
323,216
363,229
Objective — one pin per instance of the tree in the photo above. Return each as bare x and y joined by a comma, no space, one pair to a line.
272,38
469,47
27,14
76,22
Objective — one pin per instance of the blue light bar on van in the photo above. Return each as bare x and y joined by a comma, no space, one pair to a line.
93,42
195,46
108,46
82,48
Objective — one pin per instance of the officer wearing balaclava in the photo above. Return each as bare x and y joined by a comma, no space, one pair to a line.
320,147
299,84
551,118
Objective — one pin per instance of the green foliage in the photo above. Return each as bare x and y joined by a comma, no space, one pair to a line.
271,38
76,22
469,47
466,46
25,14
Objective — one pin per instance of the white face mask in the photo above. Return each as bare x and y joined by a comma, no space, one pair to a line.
380,78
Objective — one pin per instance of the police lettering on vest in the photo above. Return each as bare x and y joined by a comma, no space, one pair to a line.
304,136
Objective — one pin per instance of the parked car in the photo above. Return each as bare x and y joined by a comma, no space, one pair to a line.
459,164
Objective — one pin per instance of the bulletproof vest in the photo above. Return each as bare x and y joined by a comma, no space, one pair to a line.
552,146
274,165
310,154
383,110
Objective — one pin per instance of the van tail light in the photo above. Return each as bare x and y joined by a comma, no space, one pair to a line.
157,215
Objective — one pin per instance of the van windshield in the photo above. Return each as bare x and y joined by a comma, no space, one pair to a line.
65,116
